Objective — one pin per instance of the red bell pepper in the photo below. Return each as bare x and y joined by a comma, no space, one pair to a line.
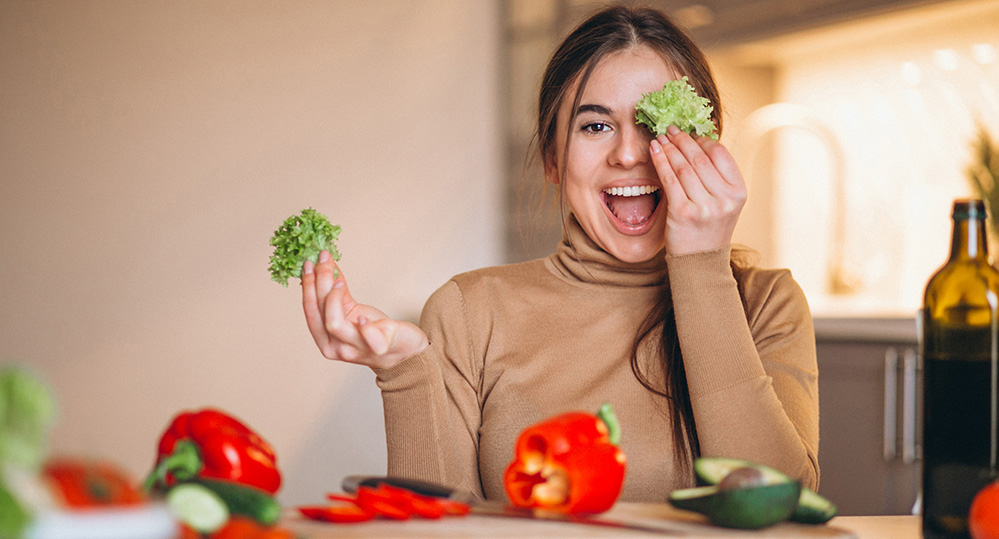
211,444
569,463
91,483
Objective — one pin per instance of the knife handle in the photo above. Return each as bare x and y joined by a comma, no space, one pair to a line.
353,482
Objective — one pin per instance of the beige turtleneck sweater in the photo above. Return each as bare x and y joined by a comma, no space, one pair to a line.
512,345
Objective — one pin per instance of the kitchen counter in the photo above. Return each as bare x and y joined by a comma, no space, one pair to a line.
865,329
672,521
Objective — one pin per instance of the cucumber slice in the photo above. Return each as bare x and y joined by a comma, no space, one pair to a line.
244,500
198,507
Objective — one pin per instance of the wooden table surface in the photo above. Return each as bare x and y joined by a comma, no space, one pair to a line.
672,522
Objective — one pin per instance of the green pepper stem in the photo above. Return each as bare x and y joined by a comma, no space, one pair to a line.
183,463
607,415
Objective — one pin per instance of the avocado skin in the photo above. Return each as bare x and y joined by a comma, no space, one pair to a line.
745,508
812,508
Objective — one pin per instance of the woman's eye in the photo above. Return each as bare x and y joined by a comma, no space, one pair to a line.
596,127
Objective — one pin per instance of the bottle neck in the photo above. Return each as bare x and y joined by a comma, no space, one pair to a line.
969,241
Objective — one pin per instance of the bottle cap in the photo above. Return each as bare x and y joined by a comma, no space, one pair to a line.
969,209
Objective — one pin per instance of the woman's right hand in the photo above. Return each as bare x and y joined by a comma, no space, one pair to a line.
346,330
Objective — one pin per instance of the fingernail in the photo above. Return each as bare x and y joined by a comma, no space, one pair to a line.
672,130
339,284
307,268
362,320
656,147
324,256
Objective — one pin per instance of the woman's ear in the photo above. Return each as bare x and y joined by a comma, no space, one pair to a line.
551,171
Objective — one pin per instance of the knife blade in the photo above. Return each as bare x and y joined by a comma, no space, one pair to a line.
498,509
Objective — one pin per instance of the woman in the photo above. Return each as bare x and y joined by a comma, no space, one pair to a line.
641,305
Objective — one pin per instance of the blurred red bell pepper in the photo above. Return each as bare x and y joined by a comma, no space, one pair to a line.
91,483
569,463
209,443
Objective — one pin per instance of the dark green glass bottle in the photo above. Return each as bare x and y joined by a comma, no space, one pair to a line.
960,322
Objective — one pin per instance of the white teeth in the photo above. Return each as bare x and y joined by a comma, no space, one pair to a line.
632,191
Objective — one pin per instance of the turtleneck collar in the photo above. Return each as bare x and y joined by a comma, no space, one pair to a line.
579,258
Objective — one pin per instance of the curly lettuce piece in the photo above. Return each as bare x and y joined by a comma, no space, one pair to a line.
300,238
676,104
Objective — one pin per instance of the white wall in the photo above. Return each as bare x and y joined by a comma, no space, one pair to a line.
149,149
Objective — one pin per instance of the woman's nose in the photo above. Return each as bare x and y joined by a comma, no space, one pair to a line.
631,146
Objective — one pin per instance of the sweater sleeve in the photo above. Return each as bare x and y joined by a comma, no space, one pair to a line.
751,370
432,413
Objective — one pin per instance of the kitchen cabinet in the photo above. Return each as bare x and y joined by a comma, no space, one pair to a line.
869,414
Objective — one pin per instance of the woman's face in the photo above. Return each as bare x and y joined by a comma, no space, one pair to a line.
610,183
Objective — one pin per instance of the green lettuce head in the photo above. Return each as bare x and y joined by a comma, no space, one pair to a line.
300,238
676,104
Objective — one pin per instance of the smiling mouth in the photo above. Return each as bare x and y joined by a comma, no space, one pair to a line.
633,205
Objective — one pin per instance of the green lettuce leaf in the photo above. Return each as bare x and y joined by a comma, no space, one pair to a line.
27,410
676,104
300,238
14,517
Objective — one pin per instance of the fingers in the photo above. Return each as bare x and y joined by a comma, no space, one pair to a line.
376,341
701,166
326,272
325,300
311,305
683,158
723,162
348,331
391,340
334,313
674,192
348,344
704,191
344,338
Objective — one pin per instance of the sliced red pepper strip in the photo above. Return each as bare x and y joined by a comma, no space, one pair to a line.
379,502
368,500
394,503
341,513
423,506
341,497
454,508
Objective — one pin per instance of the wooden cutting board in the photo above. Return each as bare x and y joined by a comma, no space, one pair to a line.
694,525
661,516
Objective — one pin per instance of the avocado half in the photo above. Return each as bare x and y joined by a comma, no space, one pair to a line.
748,508
811,508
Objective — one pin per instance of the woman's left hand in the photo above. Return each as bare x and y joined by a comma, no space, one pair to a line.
703,189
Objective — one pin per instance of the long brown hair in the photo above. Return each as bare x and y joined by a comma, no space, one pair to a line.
611,30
